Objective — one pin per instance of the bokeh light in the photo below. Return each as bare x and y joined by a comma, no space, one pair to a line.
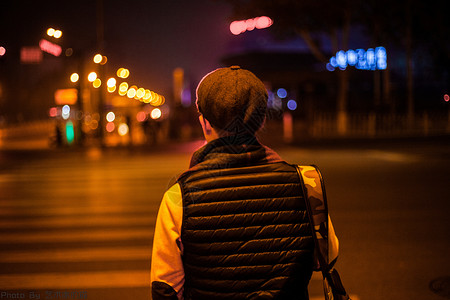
292,104
141,116
282,93
111,89
131,92
140,93
110,126
50,31
155,114
110,116
74,77
70,132
123,73
97,58
238,27
57,34
2,51
65,112
92,76
53,112
123,129
111,82
97,83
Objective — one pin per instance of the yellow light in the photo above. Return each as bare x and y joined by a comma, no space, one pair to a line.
140,93
97,83
50,32
111,89
111,82
158,100
92,76
147,95
123,129
123,87
98,58
123,73
163,100
74,77
104,60
153,98
57,34
155,114
131,93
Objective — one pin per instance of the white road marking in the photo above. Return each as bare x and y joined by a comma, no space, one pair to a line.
78,255
77,280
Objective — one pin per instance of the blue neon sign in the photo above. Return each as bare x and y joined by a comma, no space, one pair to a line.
370,59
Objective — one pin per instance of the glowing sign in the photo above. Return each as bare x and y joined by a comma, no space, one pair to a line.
66,96
51,48
238,27
370,59
30,55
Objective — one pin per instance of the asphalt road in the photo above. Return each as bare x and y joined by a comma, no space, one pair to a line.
79,224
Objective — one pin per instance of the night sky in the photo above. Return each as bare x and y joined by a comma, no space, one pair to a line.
150,38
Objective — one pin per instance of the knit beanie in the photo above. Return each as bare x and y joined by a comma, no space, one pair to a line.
233,100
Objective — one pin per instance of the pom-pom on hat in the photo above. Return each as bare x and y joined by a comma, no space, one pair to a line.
233,100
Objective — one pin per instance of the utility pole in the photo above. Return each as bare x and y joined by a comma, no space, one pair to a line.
409,67
100,48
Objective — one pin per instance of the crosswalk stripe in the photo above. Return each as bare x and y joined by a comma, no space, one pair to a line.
78,255
317,276
353,297
76,236
74,210
70,221
78,280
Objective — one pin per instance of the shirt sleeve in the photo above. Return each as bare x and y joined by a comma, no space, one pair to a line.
167,266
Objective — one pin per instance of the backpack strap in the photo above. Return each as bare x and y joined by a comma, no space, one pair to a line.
316,205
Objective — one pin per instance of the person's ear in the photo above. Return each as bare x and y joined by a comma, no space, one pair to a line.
205,125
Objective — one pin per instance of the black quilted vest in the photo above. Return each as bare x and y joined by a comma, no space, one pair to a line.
245,228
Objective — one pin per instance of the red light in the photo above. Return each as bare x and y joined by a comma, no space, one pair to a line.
238,27
263,22
141,116
53,112
110,127
446,98
50,47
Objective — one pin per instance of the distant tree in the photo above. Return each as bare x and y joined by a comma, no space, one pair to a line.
415,26
406,24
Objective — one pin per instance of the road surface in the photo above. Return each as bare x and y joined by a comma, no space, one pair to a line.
79,224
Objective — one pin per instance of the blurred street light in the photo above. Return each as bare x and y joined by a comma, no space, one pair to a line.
97,58
123,73
111,82
92,76
74,77
100,59
56,33
97,83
